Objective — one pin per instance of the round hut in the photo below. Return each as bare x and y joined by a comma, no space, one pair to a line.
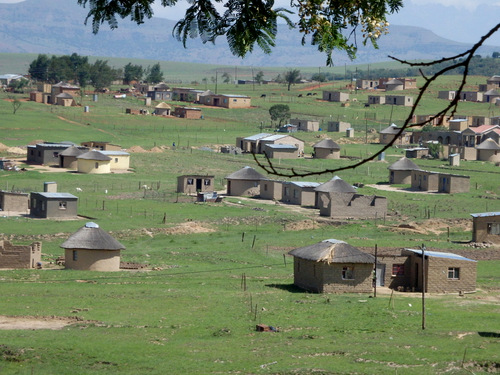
326,149
67,158
163,109
335,186
246,181
94,162
488,150
400,171
90,248
394,85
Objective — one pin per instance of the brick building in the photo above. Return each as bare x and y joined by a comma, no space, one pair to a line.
486,227
20,256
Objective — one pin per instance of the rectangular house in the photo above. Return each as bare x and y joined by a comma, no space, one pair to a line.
486,227
191,184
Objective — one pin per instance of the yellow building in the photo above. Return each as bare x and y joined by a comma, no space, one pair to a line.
94,162
120,160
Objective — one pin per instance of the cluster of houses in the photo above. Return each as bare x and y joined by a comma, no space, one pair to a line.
90,157
404,171
61,93
487,93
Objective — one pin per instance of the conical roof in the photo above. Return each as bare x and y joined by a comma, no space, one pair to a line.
328,144
246,173
336,185
91,237
392,129
492,92
332,251
403,164
488,144
94,155
72,151
163,105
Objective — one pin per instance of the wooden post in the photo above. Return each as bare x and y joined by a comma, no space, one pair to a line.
284,259
242,236
253,242
423,286
375,274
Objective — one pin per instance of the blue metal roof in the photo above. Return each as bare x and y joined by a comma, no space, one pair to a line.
304,183
438,254
284,147
110,152
485,214
274,137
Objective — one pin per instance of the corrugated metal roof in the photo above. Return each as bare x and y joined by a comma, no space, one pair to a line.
438,254
283,147
274,137
304,184
256,137
486,214
111,152
57,195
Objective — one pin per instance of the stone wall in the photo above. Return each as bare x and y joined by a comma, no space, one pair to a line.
20,256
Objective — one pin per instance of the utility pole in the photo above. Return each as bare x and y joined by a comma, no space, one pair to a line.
216,81
375,274
424,281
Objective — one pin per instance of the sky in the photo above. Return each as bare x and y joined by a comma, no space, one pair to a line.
458,20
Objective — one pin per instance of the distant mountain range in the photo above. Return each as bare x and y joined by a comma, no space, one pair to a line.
57,27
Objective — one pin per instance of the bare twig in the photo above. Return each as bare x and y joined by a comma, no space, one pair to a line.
464,60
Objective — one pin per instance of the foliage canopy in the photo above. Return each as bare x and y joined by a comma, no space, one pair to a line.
328,24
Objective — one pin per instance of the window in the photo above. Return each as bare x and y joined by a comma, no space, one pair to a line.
116,160
206,182
295,193
265,187
56,154
494,228
287,191
347,273
75,255
190,181
398,269
96,165
62,205
453,273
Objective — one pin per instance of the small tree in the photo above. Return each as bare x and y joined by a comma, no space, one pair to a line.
16,103
259,76
496,55
226,77
280,113
292,77
132,72
155,74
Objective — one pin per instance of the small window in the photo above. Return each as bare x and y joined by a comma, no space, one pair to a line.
116,160
206,182
493,228
190,181
295,193
287,191
453,273
62,205
347,273
75,255
398,269
56,154
265,187
96,165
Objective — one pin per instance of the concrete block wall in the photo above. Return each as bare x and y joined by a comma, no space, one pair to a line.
20,256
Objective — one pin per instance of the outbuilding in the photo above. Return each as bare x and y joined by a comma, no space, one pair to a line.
244,182
94,162
90,248
486,227
400,171
326,149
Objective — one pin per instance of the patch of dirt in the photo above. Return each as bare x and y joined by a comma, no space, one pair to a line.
303,225
36,322
156,149
136,149
36,141
16,150
433,226
189,227
3,147
400,190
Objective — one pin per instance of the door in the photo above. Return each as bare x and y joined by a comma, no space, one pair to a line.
198,184
380,274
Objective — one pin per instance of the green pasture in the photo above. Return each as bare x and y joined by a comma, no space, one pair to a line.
193,314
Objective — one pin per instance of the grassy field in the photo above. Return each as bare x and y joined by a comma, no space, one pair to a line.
192,313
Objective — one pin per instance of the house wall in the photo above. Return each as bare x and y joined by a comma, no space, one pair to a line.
335,96
404,139
243,188
393,281
119,162
270,189
288,140
305,125
199,183
338,126
376,99
69,162
16,202
488,155
48,155
92,260
308,275
342,205
471,96
362,281
94,166
447,95
424,180
20,256
400,177
406,101
281,154
453,183
484,229
44,207
187,113
326,153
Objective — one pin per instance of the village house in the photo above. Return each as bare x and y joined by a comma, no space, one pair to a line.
376,99
388,134
397,83
416,152
244,182
394,85
480,120
90,248
305,125
332,266
257,143
444,272
453,183
63,88
226,101
20,256
251,143
67,158
281,151
458,124
53,205
424,180
486,227
335,185
191,184
186,94
93,162
120,160
162,109
160,93
400,171
491,96
338,126
299,192
188,113
488,150
271,189
403,100
13,202
447,95
287,128
367,84
471,96
6,79
471,137
336,96
326,149
46,153
64,99
101,146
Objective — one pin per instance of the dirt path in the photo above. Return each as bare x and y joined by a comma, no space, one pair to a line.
401,190
31,322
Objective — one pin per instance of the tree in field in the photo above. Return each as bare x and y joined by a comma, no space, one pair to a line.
259,77
39,68
329,24
132,73
495,55
292,77
226,77
80,67
154,74
280,113
16,103
18,85
101,75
